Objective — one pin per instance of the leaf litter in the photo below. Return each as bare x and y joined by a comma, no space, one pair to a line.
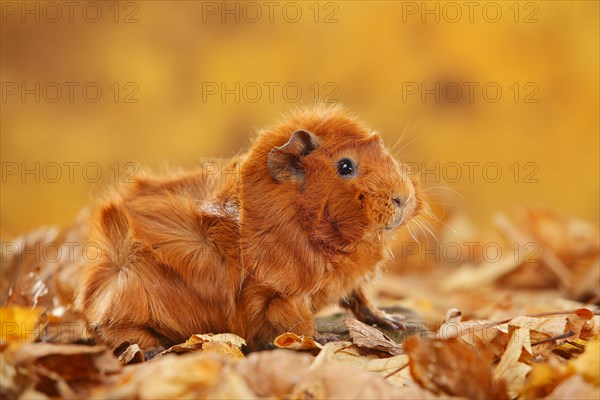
523,326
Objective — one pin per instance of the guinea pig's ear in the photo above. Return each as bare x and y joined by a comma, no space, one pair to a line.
284,161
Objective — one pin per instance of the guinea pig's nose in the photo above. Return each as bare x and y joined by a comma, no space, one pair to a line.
398,201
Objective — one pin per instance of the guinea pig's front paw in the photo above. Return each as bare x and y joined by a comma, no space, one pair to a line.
326,337
152,352
387,321
266,346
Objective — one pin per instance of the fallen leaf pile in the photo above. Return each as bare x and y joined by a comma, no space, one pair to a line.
523,326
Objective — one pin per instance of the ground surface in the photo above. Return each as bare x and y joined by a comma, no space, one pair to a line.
508,314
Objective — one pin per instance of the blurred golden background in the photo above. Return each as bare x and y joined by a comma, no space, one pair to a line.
93,90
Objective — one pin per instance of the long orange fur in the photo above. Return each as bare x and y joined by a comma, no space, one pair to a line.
255,247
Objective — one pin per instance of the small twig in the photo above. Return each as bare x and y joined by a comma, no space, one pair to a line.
544,314
563,336
396,371
341,350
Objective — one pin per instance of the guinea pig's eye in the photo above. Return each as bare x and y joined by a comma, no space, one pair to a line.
346,167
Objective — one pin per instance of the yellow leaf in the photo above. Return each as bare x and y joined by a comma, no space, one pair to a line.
292,341
588,364
510,369
18,324
225,349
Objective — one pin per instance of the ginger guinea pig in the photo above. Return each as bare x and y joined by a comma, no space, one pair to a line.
298,222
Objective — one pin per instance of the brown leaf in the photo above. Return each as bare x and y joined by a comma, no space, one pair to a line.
226,344
343,353
61,370
578,321
27,290
369,337
274,373
53,256
453,367
291,341
510,369
132,354
569,238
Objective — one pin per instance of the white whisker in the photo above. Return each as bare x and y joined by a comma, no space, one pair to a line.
431,188
411,232
424,224
404,135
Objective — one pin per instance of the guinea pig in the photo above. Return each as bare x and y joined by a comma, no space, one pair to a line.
300,221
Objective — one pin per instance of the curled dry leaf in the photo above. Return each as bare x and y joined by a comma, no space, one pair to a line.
511,369
226,344
369,337
453,315
291,341
453,367
131,354
579,321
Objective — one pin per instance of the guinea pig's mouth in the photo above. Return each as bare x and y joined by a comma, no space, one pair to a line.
402,217
396,223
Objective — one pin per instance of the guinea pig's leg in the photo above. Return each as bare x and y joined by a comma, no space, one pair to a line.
146,338
291,314
364,310
267,316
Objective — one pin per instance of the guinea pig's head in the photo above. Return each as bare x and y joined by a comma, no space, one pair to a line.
345,184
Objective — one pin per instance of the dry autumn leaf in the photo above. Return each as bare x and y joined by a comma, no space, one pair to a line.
511,370
588,364
291,341
274,373
453,367
225,344
19,324
575,387
64,370
369,337
129,354
192,375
